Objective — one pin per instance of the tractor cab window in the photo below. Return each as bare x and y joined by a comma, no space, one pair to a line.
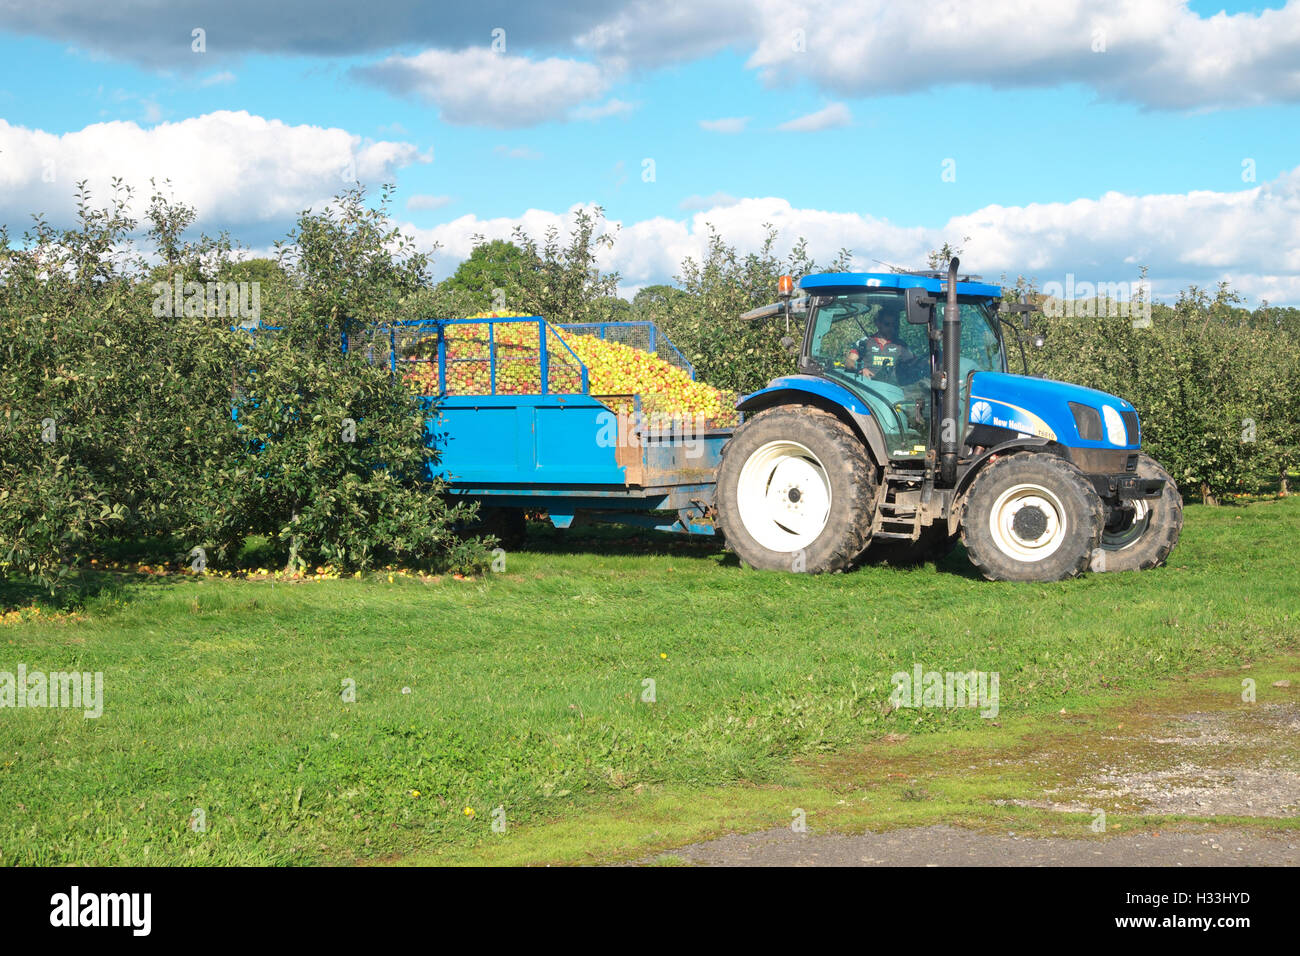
981,345
862,340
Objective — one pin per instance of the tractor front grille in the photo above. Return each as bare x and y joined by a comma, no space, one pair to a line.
1131,426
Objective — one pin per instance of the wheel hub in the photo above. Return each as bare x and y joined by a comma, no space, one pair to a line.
784,496
1029,523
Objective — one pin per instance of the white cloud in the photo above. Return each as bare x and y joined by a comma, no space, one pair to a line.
613,107
476,87
647,33
651,250
1158,53
117,99
254,175
217,79
425,201
1251,237
829,117
517,152
727,124
1154,52
155,33
235,168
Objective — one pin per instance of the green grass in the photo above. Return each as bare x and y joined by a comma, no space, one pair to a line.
525,688
967,777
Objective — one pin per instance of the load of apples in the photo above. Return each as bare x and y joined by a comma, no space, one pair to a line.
613,369
474,347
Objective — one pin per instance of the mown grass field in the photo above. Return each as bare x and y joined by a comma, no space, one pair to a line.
523,690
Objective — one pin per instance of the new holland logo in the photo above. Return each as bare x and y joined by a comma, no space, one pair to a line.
981,412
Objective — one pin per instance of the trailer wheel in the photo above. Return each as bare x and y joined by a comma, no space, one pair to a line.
1031,517
1141,534
796,491
507,525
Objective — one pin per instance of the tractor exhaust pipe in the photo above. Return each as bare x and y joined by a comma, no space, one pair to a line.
949,428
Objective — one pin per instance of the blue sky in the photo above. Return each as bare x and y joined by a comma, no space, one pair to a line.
1033,123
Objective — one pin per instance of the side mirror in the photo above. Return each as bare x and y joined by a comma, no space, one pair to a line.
920,307
1024,310
790,345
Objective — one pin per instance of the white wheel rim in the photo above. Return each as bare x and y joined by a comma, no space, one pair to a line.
1119,540
1033,538
783,496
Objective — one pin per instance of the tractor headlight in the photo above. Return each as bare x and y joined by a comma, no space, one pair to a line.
1116,434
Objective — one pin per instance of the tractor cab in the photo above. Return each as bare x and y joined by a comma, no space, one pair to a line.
861,334
879,336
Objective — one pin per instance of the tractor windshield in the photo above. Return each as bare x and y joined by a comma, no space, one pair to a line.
981,343
862,340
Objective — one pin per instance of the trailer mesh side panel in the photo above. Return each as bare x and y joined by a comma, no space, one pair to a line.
645,336
500,356
564,371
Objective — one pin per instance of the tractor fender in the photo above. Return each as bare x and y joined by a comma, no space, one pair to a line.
967,476
836,399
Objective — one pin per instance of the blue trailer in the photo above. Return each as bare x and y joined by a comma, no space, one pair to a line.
560,450
900,433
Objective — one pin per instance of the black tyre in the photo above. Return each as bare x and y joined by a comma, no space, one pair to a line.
507,525
935,544
1031,517
796,491
1141,534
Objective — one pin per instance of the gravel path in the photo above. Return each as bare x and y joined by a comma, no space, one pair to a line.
950,846
1238,763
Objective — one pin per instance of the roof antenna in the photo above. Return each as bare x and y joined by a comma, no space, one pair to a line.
892,267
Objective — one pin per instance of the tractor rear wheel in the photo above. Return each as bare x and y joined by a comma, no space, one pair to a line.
796,491
1141,534
1031,517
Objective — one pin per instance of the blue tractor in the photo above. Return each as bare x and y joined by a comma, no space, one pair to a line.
902,431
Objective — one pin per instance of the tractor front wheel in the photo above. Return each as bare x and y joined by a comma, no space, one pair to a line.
796,491
1031,517
1140,534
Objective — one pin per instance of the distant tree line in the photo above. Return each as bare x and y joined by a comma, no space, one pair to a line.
138,403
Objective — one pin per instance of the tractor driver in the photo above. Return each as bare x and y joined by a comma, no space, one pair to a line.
884,353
